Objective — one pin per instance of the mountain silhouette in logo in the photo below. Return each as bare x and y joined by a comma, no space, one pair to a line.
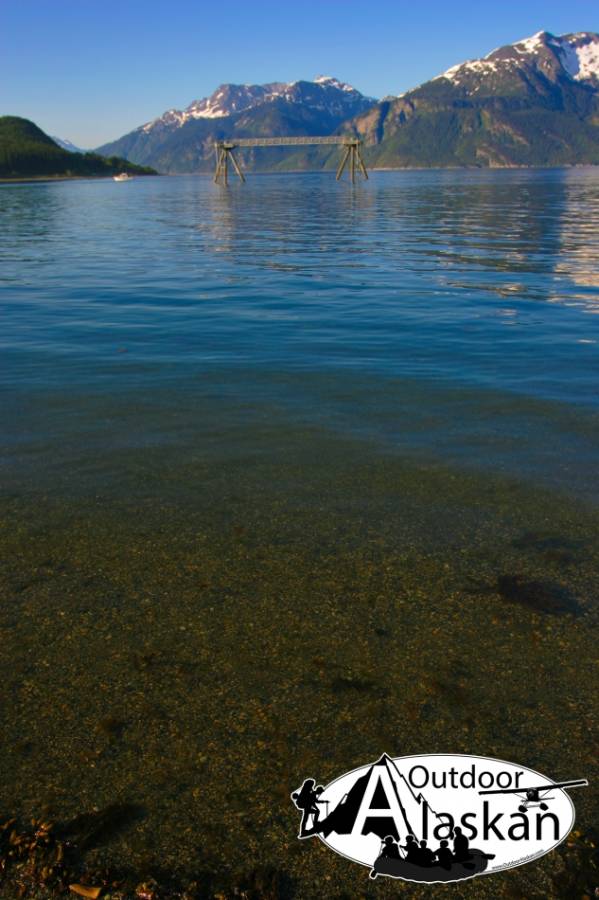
341,820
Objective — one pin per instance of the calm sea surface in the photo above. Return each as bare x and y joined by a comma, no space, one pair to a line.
294,472
445,313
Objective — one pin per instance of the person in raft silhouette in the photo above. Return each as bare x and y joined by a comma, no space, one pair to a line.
444,856
461,851
411,848
426,857
306,799
390,850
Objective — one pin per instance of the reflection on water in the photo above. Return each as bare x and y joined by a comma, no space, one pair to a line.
578,257
285,291
295,473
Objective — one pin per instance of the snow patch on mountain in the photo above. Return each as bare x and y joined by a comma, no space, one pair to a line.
334,82
472,65
580,60
588,58
531,44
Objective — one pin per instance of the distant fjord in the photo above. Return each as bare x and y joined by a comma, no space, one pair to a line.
531,103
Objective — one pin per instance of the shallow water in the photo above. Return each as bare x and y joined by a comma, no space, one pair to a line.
294,473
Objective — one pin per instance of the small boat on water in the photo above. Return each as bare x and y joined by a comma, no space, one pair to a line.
123,176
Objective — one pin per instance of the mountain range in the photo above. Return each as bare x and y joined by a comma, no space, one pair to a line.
183,140
534,102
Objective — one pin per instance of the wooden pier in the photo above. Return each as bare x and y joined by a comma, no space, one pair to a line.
351,155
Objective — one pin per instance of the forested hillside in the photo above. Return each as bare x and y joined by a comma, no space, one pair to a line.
27,152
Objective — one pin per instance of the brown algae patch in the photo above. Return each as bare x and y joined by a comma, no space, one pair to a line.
197,659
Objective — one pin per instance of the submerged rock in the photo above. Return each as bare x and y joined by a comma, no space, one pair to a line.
540,540
361,685
112,727
93,828
540,596
556,549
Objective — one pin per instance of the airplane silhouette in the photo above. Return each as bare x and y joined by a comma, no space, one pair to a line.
536,796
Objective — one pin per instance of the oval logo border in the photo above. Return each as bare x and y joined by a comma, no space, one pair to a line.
468,756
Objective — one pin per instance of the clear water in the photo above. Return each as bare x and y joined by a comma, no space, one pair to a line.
450,313
279,415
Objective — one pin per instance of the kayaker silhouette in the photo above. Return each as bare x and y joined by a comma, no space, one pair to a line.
306,799
461,849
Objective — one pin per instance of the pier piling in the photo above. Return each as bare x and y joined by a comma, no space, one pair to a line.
351,153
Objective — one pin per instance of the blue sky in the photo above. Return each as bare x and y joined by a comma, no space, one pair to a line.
92,71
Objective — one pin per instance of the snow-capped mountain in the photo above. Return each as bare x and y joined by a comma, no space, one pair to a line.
324,93
573,55
533,102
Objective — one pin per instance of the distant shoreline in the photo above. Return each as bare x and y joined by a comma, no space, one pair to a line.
233,177
36,178
51,178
